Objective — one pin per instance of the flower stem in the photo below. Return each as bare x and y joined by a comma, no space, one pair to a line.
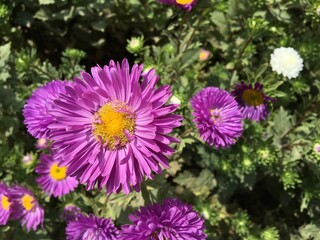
145,193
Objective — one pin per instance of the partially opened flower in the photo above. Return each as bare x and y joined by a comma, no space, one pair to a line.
187,5
172,220
316,148
91,227
70,213
26,208
37,108
5,206
112,129
53,179
42,143
217,116
252,101
286,61
204,55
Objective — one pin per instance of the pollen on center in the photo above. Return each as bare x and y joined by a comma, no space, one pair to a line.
252,97
58,173
114,125
27,202
184,2
5,202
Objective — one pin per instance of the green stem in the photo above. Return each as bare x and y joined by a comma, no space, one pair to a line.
145,193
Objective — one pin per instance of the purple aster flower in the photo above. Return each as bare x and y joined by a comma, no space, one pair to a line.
217,117
27,159
37,107
172,220
92,227
5,206
42,143
25,207
252,101
70,213
112,129
186,5
53,179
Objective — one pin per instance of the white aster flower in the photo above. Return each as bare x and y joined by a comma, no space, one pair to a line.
286,61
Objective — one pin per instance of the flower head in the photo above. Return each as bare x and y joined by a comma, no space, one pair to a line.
70,213
36,111
25,207
217,117
5,204
171,220
204,55
53,179
316,148
286,61
252,101
27,159
186,5
112,130
42,143
91,227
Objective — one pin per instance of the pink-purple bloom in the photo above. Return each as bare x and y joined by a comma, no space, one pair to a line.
36,111
70,213
173,220
53,179
111,129
91,227
5,204
217,116
25,207
252,101
42,143
186,5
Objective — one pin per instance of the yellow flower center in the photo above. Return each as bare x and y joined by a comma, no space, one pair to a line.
252,97
215,115
27,202
115,123
5,202
58,173
184,2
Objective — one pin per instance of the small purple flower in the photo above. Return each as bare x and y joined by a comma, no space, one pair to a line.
70,213
37,108
91,227
172,220
53,179
5,206
217,117
186,5
42,143
25,207
316,148
112,128
252,101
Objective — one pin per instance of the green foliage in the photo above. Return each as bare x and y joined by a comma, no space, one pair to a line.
266,186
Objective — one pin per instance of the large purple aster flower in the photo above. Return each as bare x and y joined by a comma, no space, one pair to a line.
37,107
25,207
91,227
111,129
172,220
187,5
252,101
217,117
53,179
5,206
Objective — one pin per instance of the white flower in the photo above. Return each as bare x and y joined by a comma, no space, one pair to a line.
286,61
